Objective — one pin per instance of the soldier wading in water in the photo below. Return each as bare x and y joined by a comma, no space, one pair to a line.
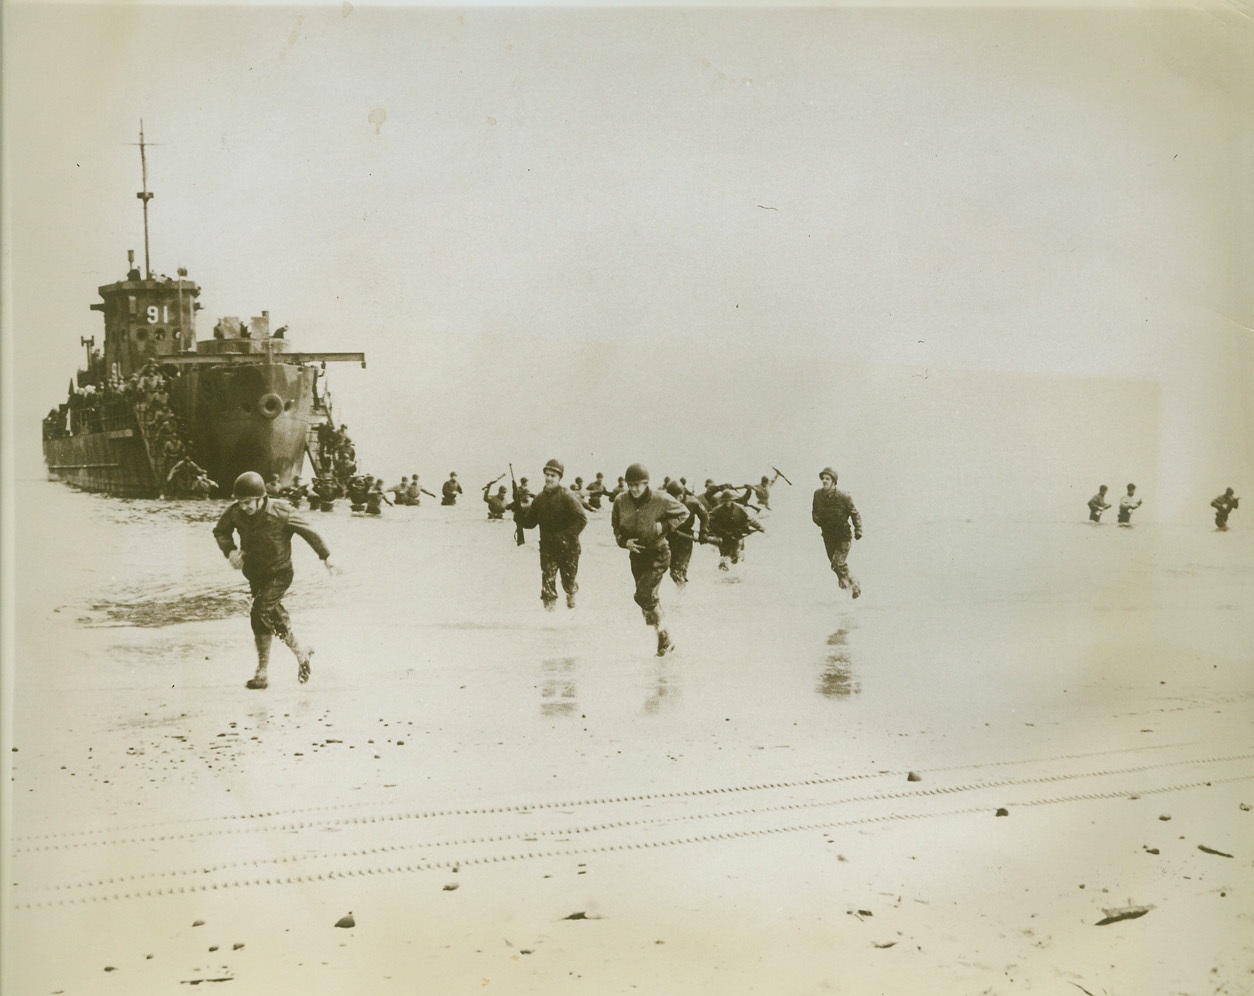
642,519
561,519
265,526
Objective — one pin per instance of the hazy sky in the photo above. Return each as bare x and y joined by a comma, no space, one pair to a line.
971,256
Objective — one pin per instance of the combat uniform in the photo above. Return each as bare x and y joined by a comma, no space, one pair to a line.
693,529
1097,505
561,519
832,511
639,519
731,524
265,540
1224,506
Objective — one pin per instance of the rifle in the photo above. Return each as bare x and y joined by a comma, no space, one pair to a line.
493,481
783,475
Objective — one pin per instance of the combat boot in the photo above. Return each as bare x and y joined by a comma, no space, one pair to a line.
304,655
664,645
258,681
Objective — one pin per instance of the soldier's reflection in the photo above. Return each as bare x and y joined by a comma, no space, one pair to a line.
558,691
665,687
836,680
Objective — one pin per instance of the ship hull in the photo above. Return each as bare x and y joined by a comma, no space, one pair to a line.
111,461
236,418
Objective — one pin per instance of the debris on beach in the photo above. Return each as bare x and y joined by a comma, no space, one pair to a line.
1245,807
346,921
1150,850
913,776
1165,817
886,944
580,915
198,923
451,886
1211,850
1002,811
1122,913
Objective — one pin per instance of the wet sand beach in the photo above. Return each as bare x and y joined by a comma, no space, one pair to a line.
1020,730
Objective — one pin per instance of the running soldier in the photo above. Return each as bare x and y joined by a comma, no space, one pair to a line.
561,519
1098,504
1224,506
730,523
1128,504
266,526
642,520
451,490
686,534
832,511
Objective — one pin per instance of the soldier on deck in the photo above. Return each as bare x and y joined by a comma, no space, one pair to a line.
561,519
266,526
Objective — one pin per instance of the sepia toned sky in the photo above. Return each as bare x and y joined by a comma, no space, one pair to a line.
981,259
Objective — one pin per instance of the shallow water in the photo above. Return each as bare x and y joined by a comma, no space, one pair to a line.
450,718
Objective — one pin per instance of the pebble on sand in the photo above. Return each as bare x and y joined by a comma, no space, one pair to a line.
346,921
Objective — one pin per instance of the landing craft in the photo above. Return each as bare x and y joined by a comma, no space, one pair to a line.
243,400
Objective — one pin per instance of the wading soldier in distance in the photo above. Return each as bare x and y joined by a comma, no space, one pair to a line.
642,519
1224,505
832,511
1128,504
265,526
1098,504
561,519
451,489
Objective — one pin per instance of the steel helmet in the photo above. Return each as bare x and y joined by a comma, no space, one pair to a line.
249,485
557,467
635,473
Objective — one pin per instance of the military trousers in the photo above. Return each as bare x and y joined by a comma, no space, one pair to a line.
837,544
648,567
558,557
268,614
681,557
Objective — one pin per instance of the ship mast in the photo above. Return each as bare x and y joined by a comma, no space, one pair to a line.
144,195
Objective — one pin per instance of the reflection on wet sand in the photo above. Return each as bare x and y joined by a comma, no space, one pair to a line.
836,679
665,687
558,691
